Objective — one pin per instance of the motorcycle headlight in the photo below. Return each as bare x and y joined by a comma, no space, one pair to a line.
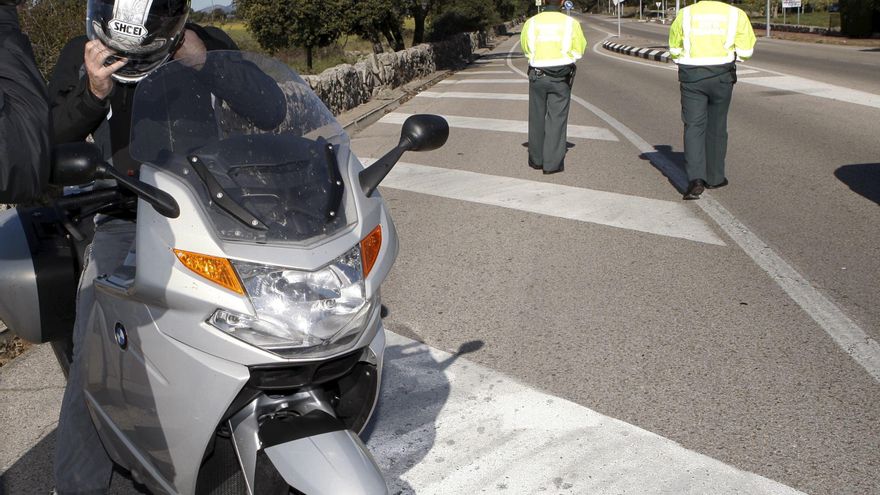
301,314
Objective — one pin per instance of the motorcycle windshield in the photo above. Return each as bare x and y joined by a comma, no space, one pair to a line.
263,154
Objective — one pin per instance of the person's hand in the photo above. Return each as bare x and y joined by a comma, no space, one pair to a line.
192,52
100,82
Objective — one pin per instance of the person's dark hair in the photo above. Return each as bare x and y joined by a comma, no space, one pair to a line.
145,33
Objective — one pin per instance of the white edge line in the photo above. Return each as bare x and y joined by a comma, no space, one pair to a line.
845,332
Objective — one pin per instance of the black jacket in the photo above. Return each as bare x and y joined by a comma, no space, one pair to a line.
77,113
24,116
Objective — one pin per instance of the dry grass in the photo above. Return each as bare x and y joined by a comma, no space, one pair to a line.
10,348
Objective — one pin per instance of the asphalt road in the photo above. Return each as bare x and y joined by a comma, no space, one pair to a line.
692,340
589,332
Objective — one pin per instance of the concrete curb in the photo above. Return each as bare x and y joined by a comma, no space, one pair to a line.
646,53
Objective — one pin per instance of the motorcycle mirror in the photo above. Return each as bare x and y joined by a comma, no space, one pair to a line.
163,202
424,132
421,132
75,163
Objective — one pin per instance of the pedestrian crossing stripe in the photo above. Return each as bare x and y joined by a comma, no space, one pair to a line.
653,216
499,125
446,425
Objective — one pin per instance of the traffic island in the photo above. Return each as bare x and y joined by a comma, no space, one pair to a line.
634,51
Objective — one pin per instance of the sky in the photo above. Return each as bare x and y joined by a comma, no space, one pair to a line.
200,4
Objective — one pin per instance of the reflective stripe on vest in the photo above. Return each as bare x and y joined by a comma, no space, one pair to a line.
708,24
549,33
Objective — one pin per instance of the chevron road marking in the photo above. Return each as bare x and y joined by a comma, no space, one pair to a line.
654,216
455,121
446,425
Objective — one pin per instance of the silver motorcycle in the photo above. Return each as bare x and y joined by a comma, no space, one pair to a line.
238,348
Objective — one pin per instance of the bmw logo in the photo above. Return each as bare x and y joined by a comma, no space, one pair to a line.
121,336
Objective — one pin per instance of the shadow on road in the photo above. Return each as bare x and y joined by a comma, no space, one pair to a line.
862,179
415,391
502,56
568,145
32,473
670,164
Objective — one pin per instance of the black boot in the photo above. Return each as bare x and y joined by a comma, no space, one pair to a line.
695,188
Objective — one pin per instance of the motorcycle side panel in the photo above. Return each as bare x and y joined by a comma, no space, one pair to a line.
19,298
158,401
328,464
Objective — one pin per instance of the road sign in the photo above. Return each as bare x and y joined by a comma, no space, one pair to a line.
616,2
568,5
790,4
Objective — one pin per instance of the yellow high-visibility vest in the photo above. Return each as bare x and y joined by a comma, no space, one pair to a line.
710,33
551,39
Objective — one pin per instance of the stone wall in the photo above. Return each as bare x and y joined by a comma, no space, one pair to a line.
346,86
796,29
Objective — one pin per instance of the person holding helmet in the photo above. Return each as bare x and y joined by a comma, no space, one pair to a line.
553,42
91,92
93,83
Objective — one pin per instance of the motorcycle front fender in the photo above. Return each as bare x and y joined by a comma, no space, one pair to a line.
328,464
313,453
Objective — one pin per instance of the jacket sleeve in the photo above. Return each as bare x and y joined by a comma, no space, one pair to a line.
744,43
676,37
579,41
24,116
76,112
524,39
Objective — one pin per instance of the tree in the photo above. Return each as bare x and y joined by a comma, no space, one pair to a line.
372,19
856,17
419,10
458,16
305,23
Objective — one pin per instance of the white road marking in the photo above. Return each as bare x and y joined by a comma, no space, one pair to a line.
446,425
782,81
479,96
815,88
843,330
654,216
574,131
484,81
468,73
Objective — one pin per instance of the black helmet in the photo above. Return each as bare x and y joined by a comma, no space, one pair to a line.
146,32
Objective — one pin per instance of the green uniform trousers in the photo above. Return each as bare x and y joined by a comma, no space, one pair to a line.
549,99
705,100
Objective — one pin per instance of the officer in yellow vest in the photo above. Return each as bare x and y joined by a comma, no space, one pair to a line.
553,42
705,40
